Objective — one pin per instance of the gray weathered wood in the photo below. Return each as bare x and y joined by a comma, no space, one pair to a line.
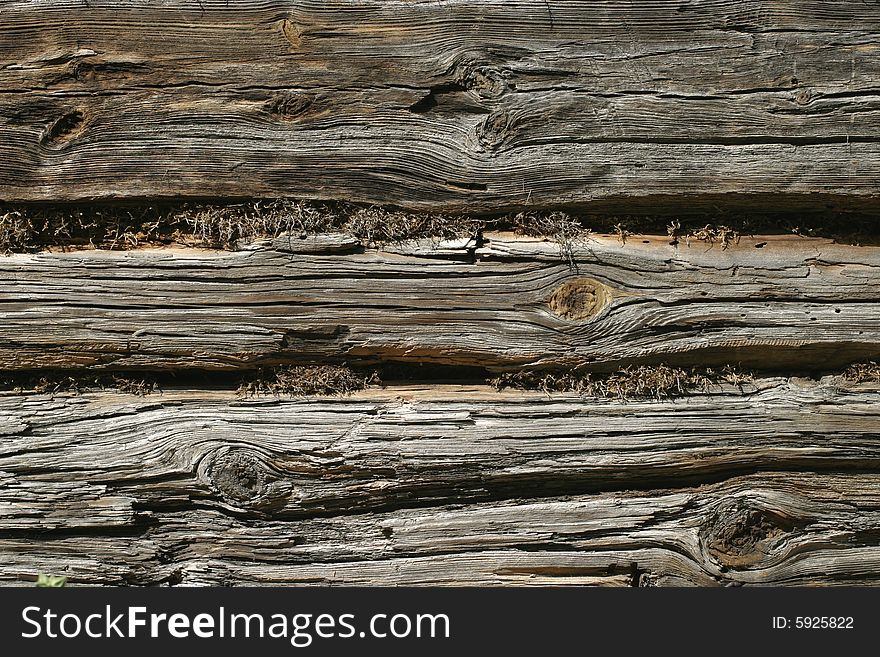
510,303
456,104
444,485
767,529
447,105
115,454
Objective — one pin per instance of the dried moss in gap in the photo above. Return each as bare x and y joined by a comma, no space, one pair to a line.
633,382
32,228
307,380
74,383
868,372
28,228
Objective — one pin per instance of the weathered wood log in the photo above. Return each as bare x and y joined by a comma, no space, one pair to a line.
768,529
457,104
115,454
507,304
444,486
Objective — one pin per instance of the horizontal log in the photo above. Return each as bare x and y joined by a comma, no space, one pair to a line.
763,530
116,455
454,105
772,302
444,485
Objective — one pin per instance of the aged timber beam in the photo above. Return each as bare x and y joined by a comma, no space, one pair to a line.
458,104
766,529
444,485
774,302
101,459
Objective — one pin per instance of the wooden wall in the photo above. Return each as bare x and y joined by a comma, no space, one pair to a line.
703,108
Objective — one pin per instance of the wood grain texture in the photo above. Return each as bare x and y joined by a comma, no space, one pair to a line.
444,485
463,106
507,304
453,105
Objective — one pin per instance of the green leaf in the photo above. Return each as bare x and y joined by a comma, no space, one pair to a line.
51,581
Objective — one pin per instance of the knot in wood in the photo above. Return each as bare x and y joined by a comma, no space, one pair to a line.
92,69
739,534
239,476
486,82
579,299
291,33
62,129
287,105
803,97
473,72
492,132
